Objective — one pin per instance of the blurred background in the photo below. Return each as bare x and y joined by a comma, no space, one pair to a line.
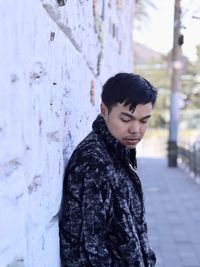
167,52
153,58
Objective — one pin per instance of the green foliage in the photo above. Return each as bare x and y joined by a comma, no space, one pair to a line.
191,83
159,75
159,72
141,15
198,53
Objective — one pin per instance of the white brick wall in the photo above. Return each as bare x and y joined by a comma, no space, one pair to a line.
51,56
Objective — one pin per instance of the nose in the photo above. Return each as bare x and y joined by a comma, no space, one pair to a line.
134,128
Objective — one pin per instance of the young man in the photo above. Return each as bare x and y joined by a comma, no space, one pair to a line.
102,221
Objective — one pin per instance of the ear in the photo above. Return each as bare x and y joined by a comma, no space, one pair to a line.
104,110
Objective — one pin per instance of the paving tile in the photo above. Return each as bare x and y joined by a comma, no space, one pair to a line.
172,202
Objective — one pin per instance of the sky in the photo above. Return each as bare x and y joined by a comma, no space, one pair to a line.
157,33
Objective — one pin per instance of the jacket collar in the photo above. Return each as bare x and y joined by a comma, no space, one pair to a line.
127,155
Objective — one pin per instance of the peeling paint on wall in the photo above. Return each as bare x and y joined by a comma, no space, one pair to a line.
14,78
53,137
92,95
58,56
52,36
100,56
37,73
9,167
17,263
36,182
61,2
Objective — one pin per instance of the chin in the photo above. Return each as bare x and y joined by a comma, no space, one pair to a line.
131,146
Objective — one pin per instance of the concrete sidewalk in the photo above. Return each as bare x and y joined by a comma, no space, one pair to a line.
172,202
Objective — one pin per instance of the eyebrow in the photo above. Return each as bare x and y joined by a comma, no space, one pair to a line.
132,117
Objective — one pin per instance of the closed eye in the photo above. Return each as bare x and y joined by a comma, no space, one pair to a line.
142,121
125,120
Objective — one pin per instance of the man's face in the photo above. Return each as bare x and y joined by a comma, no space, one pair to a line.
126,126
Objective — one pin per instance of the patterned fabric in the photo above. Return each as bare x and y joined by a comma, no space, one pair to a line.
102,220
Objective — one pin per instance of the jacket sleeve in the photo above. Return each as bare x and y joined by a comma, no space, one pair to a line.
149,255
83,219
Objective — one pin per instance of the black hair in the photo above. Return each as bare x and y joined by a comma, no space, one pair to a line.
128,88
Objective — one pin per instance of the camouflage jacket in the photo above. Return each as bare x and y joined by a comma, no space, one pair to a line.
102,221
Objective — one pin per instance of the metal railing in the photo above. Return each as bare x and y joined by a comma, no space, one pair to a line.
189,155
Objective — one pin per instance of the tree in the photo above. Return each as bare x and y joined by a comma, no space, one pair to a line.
191,83
158,73
141,15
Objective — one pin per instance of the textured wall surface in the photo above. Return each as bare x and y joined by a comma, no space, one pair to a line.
55,55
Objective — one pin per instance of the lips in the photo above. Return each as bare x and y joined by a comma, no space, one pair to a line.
135,141
132,139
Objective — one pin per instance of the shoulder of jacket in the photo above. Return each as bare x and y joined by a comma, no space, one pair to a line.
91,147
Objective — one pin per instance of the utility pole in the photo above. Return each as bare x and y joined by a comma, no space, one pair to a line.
175,86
